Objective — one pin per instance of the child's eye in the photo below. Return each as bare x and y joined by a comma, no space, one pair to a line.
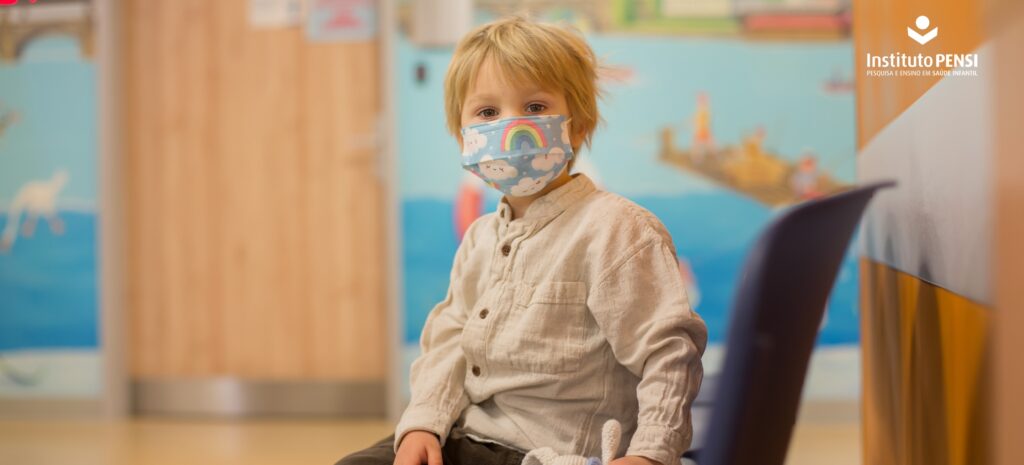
487,113
535,108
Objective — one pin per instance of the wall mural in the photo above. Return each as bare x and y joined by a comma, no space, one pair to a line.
49,341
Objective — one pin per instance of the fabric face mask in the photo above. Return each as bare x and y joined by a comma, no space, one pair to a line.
520,155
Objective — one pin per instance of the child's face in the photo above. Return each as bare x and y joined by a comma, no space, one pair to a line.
494,97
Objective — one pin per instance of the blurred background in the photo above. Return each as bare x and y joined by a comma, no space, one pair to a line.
223,224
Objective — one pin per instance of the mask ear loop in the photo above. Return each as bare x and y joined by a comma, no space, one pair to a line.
568,129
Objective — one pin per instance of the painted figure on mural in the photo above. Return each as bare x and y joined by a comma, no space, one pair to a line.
36,199
703,140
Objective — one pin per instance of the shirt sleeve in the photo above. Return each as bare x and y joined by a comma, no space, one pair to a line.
436,377
642,309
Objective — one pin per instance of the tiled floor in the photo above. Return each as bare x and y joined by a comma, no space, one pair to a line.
277,442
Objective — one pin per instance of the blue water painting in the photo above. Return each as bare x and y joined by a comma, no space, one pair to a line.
48,287
48,282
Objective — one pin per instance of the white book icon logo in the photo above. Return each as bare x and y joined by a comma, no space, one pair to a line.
922,23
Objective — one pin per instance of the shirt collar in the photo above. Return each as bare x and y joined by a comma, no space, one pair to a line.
554,202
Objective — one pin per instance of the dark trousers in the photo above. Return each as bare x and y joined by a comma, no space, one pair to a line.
457,450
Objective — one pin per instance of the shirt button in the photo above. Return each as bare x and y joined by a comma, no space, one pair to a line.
483,313
505,249
476,370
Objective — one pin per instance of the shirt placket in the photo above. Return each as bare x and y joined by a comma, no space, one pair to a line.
498,298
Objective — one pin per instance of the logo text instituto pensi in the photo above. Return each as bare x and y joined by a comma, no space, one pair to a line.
900,64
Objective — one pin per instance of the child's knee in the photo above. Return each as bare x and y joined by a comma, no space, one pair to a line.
364,458
381,453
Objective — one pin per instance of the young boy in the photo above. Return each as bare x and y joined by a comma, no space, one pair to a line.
565,307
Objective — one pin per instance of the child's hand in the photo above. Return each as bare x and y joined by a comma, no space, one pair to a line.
634,460
418,448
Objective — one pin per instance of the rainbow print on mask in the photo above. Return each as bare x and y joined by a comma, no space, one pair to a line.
523,134
519,155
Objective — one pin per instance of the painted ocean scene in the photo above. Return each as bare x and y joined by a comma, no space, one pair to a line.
49,302
48,284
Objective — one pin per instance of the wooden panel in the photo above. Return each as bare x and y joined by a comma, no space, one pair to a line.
926,372
880,27
1007,18
254,210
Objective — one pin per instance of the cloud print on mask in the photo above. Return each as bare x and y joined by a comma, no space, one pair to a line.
530,186
472,142
497,170
549,160
518,155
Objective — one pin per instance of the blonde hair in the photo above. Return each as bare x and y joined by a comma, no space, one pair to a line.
551,56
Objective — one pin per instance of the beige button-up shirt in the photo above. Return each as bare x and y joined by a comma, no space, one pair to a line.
554,322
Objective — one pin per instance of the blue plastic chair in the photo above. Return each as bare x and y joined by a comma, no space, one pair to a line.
779,306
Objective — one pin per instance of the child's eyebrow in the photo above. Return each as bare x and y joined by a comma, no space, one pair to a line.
473,99
541,93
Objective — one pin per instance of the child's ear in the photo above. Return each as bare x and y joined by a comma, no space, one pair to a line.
577,137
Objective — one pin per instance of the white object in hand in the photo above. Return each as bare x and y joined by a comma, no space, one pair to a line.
611,434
